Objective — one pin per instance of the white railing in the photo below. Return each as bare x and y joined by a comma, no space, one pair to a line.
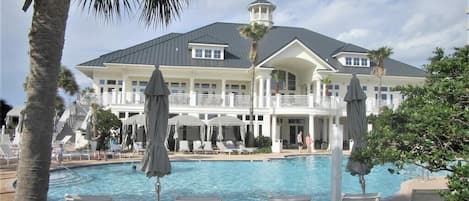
242,101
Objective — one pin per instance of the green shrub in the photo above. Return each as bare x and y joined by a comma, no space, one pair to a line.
263,142
264,150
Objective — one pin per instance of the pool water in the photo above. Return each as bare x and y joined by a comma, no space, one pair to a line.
232,180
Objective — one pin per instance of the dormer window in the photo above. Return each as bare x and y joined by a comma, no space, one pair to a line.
207,51
356,61
353,59
198,53
348,61
364,62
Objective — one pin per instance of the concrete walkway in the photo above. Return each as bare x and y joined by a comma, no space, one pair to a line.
8,174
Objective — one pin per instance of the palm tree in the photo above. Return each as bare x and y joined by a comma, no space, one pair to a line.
378,56
46,40
254,32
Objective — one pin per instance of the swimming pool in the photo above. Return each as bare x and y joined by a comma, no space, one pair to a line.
232,180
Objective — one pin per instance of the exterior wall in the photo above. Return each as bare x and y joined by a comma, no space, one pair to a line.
309,100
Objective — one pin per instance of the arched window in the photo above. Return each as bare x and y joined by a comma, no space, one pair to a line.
284,82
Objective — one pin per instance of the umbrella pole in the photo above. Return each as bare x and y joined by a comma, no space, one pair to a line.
158,188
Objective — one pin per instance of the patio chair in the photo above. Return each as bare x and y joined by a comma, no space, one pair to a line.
198,198
426,195
197,147
290,198
245,149
208,149
6,153
138,147
69,197
361,197
184,146
115,149
230,145
223,149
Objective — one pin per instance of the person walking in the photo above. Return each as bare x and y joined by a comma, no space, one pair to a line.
299,141
308,143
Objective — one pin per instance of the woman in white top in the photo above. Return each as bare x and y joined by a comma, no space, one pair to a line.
299,140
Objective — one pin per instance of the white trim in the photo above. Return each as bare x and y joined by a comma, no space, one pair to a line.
206,45
136,65
349,53
385,76
203,67
296,41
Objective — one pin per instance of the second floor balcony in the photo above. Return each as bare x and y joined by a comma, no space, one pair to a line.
241,101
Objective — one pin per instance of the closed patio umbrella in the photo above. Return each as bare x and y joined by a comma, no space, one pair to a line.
357,128
155,162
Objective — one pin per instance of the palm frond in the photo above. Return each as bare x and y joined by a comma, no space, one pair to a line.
161,11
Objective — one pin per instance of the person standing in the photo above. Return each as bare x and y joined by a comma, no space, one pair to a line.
100,145
299,140
308,143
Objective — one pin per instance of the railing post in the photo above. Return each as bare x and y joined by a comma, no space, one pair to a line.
231,100
193,99
278,100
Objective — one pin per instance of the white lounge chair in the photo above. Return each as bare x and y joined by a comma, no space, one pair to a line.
198,198
290,198
197,147
184,146
138,147
245,149
115,149
7,154
222,148
208,149
87,198
426,195
361,197
230,145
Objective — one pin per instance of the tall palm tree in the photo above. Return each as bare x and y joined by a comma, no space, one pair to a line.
254,32
46,42
378,56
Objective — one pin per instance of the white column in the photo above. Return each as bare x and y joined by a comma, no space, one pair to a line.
308,88
274,127
114,96
267,92
336,176
256,128
266,126
261,92
192,96
311,131
223,92
331,118
318,90
260,14
124,90
324,130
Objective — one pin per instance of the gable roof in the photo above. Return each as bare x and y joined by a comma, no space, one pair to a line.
172,49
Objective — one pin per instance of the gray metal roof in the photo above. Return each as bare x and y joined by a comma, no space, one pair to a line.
172,49
260,1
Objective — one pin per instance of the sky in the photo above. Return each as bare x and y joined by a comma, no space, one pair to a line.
413,28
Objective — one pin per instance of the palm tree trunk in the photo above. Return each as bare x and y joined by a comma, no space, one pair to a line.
46,40
251,109
380,82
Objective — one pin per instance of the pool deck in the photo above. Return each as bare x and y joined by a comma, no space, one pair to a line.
8,173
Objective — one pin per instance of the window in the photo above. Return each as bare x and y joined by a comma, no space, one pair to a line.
174,84
364,88
260,118
119,82
121,115
111,82
240,117
356,61
291,82
348,61
217,54
202,116
102,81
143,83
364,62
198,53
134,83
208,53
205,86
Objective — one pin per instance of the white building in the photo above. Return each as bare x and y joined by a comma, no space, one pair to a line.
209,74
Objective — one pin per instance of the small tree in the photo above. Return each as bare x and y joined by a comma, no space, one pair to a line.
378,56
254,32
430,128
105,120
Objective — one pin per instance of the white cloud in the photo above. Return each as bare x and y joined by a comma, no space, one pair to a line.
354,34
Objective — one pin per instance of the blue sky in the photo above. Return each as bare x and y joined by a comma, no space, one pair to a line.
412,28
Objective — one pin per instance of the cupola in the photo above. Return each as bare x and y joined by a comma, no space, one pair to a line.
261,12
